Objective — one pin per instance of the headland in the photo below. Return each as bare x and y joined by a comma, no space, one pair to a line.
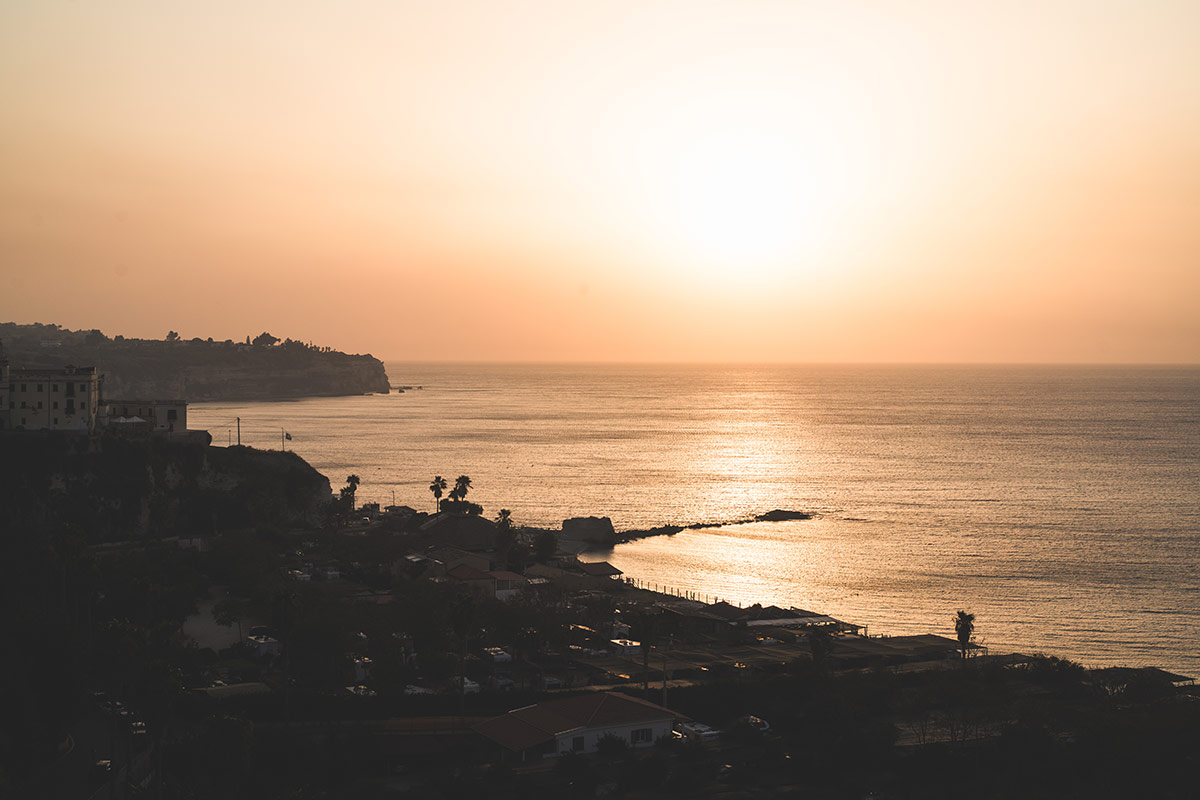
262,367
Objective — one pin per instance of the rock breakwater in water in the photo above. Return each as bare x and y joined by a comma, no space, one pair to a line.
598,531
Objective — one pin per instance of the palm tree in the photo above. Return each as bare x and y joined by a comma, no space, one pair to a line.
461,486
437,487
352,482
505,538
964,627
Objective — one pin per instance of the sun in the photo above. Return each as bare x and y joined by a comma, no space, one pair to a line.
742,203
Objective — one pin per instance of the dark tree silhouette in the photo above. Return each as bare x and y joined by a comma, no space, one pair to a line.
229,612
437,487
820,645
351,489
461,487
264,339
172,336
964,627
505,537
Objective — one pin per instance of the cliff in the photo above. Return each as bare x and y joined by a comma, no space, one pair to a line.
113,487
197,369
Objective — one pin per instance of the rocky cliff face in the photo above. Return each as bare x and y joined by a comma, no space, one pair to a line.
243,375
118,488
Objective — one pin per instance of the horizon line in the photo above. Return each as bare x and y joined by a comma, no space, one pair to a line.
700,363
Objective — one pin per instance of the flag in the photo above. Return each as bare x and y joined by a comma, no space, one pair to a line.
287,436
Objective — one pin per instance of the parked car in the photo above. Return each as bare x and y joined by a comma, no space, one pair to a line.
699,732
757,723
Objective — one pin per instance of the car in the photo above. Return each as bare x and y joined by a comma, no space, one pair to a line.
699,732
757,723
498,654
137,728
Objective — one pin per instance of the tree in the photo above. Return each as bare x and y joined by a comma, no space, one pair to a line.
505,537
964,628
462,486
437,487
351,489
820,644
264,339
172,336
229,612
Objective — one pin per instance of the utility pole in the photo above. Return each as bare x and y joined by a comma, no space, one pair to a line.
239,421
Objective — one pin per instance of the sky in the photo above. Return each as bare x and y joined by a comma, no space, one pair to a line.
768,181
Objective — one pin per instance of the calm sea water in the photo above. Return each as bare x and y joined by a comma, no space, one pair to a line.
1060,504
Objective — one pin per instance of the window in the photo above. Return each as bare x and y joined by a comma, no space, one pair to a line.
24,387
641,736
83,387
576,743
39,387
22,405
56,420
54,387
39,403
172,415
55,405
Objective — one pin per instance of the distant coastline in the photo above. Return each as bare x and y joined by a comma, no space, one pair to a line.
262,368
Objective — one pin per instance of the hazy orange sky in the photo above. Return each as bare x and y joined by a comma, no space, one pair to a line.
556,180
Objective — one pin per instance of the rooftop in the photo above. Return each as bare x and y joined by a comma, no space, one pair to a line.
525,727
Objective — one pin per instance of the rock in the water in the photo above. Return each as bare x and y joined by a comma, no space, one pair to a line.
780,515
598,530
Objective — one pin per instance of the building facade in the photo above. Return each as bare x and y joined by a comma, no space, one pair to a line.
160,416
59,399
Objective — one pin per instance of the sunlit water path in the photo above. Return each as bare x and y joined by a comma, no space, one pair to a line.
1061,505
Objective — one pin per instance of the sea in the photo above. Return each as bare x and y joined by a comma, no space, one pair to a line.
1059,504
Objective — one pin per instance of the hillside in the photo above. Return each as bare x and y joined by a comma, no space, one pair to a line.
119,487
197,369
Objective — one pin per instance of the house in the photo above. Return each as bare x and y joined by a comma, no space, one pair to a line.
475,580
66,398
263,645
577,724
451,557
465,531
159,416
508,584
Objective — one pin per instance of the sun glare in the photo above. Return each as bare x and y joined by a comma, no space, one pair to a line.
741,203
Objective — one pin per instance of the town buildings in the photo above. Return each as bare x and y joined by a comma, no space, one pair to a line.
71,399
